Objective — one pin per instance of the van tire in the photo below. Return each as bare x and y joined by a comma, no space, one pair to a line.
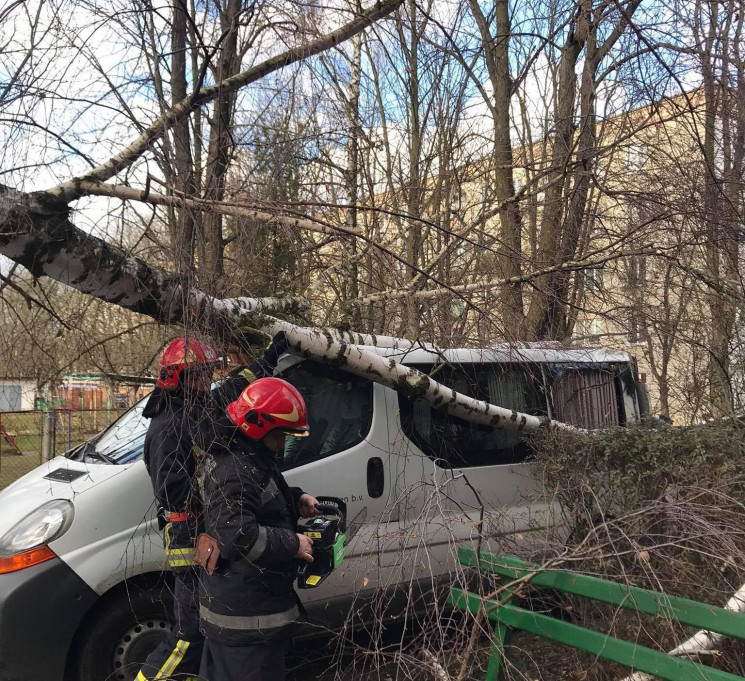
121,634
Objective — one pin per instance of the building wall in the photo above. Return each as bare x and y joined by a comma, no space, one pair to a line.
640,224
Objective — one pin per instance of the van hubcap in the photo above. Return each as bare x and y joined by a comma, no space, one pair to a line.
135,645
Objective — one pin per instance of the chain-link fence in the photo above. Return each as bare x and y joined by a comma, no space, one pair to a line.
25,436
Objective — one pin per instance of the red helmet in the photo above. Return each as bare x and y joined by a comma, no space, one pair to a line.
180,354
268,404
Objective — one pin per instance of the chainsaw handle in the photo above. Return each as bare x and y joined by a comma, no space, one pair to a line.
333,506
328,509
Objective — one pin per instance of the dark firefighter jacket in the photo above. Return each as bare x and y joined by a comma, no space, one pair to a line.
252,513
171,465
171,459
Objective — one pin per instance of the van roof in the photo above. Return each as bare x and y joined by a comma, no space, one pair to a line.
503,353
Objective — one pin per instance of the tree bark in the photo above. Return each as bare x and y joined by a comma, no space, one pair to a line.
721,248
221,146
412,237
541,323
497,56
182,232
352,178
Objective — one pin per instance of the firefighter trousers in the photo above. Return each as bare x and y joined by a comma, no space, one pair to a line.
257,662
179,655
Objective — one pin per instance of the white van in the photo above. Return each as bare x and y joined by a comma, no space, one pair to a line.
82,593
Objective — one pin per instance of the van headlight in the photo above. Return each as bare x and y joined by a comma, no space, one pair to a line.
38,528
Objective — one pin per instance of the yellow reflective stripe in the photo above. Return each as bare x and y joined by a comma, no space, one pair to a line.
178,562
249,375
172,662
252,622
180,557
165,672
167,536
180,552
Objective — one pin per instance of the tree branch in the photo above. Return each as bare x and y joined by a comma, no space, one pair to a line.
72,190
496,283
125,193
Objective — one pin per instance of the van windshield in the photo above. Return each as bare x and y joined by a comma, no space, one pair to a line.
124,439
121,442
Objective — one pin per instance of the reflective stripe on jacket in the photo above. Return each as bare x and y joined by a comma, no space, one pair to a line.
179,544
251,512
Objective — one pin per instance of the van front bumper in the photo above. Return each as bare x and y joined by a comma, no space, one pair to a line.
41,607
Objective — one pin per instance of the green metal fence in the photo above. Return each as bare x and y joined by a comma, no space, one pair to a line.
506,615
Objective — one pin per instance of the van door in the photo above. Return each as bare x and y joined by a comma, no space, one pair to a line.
346,456
446,469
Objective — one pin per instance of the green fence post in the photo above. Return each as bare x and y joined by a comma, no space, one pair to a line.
499,639
498,643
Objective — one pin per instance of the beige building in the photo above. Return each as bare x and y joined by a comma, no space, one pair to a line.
641,246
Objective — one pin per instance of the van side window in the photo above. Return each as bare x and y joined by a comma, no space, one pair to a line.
454,443
339,412
586,397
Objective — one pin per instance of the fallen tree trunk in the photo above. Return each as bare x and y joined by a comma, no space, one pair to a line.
322,345
37,233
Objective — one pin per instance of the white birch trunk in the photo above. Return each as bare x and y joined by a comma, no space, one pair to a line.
325,345
372,340
119,191
39,237
242,309
355,352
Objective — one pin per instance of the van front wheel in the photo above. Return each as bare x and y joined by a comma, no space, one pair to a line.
122,634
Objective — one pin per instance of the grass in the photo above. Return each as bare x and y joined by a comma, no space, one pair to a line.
13,467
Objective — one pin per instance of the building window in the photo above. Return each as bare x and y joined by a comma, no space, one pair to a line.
593,279
637,275
637,157
486,193
589,327
10,397
457,308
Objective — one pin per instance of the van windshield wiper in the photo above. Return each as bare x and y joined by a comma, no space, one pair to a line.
90,451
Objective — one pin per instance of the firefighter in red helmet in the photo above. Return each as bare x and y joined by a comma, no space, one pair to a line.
177,408
250,547
174,409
